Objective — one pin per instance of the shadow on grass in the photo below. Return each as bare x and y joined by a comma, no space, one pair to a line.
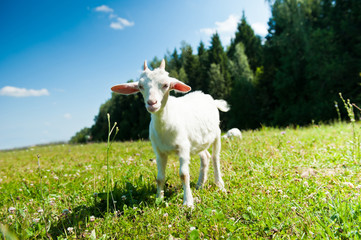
128,195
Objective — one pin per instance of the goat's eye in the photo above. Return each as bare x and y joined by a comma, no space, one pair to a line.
165,86
141,87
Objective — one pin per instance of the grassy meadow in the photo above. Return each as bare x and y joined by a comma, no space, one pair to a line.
293,183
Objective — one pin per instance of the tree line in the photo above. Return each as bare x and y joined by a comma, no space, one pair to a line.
293,76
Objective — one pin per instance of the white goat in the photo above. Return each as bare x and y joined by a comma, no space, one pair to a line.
186,125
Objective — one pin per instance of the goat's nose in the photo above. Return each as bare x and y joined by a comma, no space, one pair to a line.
151,102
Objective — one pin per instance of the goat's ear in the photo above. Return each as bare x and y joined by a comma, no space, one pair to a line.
162,65
145,65
126,88
179,86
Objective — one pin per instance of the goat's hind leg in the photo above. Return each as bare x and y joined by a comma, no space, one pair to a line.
216,163
204,156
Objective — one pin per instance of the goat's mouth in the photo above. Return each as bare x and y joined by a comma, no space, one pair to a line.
153,108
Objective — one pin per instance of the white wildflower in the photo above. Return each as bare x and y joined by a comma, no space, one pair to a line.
350,185
12,210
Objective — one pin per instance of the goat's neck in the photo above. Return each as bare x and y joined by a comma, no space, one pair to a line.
160,118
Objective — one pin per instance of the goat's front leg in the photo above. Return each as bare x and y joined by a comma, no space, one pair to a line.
185,178
161,164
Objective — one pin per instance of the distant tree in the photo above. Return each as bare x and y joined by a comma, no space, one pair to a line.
252,44
191,67
203,68
217,85
244,112
129,113
83,136
217,59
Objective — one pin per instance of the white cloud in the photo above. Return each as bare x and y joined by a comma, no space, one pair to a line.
104,8
67,116
260,29
116,26
117,23
121,23
22,92
225,29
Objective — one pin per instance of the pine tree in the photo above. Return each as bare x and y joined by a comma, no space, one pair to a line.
244,113
251,42
218,58
191,67
203,68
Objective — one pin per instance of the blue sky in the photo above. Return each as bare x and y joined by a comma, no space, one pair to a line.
58,59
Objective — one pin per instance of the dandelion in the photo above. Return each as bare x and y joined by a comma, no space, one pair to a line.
91,218
12,210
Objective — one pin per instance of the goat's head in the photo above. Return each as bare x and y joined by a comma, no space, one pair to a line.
154,85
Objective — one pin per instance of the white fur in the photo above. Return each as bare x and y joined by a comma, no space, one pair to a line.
185,125
233,133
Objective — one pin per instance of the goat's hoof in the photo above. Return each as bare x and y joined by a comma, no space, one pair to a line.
188,205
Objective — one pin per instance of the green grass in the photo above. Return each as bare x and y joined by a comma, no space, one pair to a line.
281,183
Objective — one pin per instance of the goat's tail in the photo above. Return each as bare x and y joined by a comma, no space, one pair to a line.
222,105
